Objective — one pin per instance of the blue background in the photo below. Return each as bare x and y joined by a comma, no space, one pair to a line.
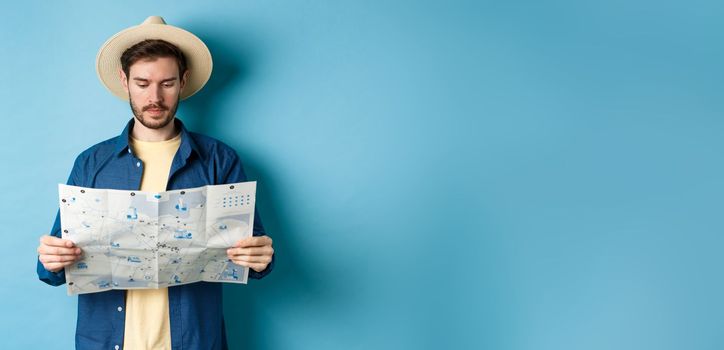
451,174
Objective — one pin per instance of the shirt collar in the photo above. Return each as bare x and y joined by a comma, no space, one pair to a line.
187,143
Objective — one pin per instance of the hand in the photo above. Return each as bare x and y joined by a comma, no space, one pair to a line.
57,253
252,252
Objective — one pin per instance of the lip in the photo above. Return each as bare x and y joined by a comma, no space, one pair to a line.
154,111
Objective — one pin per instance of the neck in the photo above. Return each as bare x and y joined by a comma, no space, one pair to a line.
143,133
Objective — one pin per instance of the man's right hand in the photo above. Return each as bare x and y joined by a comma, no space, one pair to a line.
57,253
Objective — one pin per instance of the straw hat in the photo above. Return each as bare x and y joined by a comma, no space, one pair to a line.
198,57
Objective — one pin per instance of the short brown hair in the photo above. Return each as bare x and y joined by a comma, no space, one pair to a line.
151,49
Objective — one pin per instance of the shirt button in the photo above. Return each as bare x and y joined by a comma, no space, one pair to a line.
129,150
120,309
138,164
116,347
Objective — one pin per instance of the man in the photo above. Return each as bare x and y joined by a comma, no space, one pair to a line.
154,66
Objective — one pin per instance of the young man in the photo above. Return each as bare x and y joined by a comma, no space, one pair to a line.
154,66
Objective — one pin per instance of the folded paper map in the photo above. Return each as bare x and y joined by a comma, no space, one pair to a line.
137,240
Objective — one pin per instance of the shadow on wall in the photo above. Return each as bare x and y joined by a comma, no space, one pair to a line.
295,282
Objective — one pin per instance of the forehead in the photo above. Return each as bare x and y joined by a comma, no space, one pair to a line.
162,67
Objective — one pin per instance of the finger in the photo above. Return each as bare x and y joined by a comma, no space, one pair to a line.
49,250
57,266
56,242
52,267
52,250
255,241
265,250
58,258
252,259
258,267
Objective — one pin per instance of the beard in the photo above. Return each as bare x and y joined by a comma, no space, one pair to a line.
150,122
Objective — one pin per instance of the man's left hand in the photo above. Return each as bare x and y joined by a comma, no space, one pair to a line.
252,252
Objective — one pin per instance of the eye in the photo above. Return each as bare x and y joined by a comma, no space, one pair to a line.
168,85
142,85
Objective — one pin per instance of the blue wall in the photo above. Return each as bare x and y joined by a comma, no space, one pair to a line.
459,175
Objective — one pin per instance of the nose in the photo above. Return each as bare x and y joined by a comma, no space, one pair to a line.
155,95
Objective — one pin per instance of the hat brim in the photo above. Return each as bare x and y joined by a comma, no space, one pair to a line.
198,57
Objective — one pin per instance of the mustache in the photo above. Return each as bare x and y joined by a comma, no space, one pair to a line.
155,106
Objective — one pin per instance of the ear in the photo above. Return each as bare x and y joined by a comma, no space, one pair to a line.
184,79
124,79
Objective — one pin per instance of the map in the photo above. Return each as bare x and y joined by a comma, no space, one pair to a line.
141,240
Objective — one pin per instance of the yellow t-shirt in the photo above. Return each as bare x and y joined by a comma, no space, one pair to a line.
147,316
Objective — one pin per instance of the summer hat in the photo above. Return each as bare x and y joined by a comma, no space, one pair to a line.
198,57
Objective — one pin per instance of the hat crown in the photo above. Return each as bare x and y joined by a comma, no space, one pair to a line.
154,20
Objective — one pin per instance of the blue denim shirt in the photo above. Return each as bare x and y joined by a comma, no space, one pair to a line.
195,309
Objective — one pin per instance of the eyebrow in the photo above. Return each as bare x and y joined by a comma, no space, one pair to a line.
146,80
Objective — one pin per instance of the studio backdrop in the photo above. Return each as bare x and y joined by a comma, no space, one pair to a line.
520,175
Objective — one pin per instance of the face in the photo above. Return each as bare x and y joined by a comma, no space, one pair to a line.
154,89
